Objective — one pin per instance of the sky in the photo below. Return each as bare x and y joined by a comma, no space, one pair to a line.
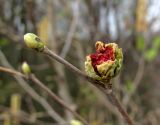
153,13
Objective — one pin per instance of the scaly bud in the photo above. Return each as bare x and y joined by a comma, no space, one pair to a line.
26,68
105,63
32,41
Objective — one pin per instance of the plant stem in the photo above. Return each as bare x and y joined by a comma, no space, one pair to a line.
33,78
55,97
61,60
96,83
11,71
116,102
118,105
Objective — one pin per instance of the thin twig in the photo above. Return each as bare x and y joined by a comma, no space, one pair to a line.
33,78
70,66
136,81
72,30
55,97
96,83
26,117
116,102
11,71
30,91
63,90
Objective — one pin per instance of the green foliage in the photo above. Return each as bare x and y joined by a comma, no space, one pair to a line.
140,43
151,54
156,42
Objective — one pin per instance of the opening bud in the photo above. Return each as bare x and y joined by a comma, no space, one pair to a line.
105,63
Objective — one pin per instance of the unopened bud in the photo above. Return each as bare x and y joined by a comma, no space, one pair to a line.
32,41
26,68
75,122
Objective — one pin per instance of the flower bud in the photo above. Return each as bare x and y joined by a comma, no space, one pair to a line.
105,63
75,122
32,41
26,68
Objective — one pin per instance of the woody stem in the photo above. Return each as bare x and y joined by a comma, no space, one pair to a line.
96,83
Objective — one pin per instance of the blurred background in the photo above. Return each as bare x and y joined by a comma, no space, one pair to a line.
70,28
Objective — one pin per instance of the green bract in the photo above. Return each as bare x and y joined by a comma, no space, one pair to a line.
32,41
26,68
105,63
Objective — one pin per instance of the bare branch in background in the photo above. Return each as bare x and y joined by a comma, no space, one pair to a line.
98,84
8,32
31,91
72,29
136,81
61,81
33,78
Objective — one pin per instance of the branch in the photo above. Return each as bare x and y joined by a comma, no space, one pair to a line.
33,78
3,69
96,83
19,77
72,29
25,117
55,97
136,81
63,90
100,95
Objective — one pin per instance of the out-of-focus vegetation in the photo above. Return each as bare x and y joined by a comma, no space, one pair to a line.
70,28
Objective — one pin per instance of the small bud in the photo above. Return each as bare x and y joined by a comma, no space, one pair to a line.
32,41
26,68
75,122
105,63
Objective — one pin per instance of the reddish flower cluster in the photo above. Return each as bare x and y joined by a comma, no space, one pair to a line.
105,63
102,55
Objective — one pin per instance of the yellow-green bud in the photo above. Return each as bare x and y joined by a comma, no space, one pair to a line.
75,122
32,41
105,63
26,68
